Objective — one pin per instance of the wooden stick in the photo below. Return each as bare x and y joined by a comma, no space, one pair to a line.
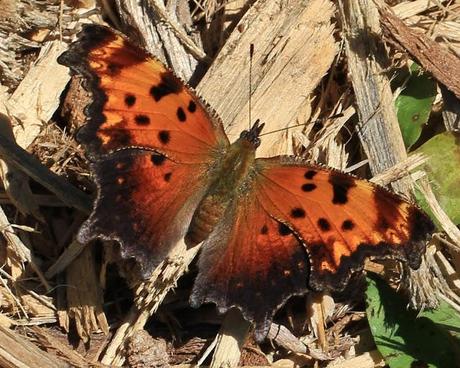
378,128
23,160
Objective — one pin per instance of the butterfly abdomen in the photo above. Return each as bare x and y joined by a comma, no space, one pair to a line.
205,219
229,178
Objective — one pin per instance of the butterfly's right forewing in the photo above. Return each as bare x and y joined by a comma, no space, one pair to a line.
340,219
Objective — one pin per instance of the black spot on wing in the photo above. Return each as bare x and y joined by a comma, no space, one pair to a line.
324,224
298,213
142,120
283,230
169,85
157,159
310,174
264,229
191,106
130,100
164,136
167,176
341,184
348,225
309,187
181,115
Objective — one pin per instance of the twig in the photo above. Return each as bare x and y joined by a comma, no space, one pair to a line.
20,158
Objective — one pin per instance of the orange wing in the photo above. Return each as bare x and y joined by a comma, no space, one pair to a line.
252,262
145,202
341,220
152,143
137,102
296,227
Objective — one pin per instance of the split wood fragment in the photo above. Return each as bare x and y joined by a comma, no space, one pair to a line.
378,126
15,155
293,49
443,64
16,351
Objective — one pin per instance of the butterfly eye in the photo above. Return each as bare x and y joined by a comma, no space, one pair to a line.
244,134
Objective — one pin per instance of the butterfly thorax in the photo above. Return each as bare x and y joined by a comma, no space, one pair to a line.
231,178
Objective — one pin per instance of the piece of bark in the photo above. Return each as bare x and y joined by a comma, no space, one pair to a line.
281,335
36,99
230,340
19,19
16,182
378,128
51,343
17,352
15,155
320,307
408,9
451,111
143,351
66,258
400,170
372,359
443,64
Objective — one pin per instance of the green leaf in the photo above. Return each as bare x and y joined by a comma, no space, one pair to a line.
443,170
405,339
414,103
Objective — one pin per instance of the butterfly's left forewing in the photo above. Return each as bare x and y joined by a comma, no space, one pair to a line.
138,102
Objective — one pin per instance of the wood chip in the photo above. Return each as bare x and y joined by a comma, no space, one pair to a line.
378,128
84,296
443,64
371,359
36,99
16,352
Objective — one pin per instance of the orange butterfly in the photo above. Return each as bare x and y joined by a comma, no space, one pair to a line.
271,227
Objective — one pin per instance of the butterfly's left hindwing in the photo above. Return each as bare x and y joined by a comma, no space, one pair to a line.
145,202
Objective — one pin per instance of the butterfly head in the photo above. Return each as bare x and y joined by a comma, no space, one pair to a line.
251,136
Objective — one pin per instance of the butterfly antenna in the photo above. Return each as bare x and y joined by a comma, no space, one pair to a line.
299,125
251,53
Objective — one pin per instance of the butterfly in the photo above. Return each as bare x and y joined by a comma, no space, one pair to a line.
270,228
